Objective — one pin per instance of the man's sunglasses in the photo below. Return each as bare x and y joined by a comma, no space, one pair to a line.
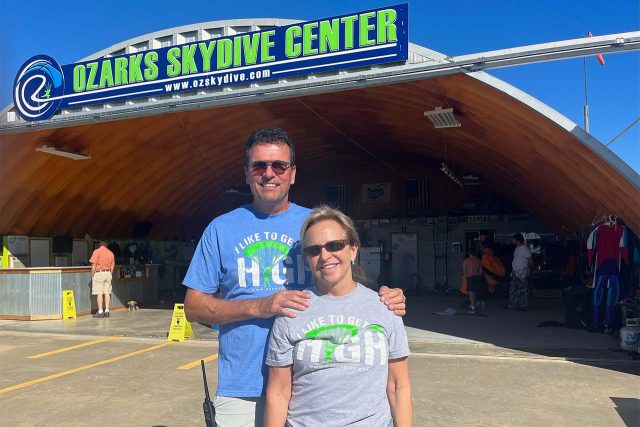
278,167
332,246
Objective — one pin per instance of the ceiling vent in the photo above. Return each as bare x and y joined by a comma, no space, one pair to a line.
442,118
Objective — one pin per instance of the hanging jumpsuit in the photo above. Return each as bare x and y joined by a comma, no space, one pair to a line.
606,247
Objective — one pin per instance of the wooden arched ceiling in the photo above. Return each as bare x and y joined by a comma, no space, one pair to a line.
173,169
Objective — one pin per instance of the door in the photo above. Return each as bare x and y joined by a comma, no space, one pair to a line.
404,260
40,252
80,254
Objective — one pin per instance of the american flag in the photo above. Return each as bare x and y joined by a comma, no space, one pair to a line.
337,196
417,196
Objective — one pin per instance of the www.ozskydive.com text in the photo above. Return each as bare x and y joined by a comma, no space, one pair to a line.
212,81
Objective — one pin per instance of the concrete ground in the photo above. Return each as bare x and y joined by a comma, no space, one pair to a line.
499,370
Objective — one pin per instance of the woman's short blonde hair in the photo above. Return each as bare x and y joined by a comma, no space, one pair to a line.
324,213
327,213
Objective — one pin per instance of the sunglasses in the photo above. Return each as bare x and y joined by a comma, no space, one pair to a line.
332,246
278,167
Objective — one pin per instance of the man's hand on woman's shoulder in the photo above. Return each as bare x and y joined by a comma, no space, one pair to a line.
280,303
394,299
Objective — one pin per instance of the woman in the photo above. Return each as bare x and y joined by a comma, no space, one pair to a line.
343,361
472,272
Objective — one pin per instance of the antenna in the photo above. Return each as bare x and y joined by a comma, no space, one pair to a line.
204,378
207,405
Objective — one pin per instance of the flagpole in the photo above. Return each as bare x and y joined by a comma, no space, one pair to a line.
586,97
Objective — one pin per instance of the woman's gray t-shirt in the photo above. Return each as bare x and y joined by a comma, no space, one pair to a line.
339,348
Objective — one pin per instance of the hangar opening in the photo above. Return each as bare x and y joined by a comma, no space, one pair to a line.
429,159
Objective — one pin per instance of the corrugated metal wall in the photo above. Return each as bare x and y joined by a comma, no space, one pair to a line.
45,294
14,294
80,284
39,293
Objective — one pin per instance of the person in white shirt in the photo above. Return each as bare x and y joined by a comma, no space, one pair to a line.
519,290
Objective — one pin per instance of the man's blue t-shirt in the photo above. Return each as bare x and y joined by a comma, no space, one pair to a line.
247,254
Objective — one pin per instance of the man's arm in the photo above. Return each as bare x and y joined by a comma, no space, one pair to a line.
204,308
528,256
394,299
278,396
530,260
399,392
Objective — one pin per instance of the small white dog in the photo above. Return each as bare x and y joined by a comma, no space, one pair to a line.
133,305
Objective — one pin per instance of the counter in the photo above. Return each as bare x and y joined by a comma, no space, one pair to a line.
36,293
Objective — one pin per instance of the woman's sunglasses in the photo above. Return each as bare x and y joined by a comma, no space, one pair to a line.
278,167
332,246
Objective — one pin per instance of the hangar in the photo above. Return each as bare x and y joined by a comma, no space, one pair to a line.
169,164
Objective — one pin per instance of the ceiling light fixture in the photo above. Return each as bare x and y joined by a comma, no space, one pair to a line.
68,154
442,118
444,166
445,169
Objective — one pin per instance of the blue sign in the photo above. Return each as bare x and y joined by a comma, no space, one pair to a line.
375,36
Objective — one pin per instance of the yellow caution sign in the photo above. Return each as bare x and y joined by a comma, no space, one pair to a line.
68,305
180,328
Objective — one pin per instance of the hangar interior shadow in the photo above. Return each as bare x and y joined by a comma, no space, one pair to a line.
515,330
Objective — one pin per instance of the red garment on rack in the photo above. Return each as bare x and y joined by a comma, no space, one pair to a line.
607,242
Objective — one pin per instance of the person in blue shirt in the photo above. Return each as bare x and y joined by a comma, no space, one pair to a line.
253,256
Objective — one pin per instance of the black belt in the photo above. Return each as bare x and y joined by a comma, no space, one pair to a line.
100,271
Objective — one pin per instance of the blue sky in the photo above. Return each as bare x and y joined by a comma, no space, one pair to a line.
71,30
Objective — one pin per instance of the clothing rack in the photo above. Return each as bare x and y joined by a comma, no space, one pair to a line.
611,218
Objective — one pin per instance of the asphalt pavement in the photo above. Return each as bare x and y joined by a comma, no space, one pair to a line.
498,370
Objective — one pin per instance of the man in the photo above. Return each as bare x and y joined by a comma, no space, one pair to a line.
102,263
519,292
252,255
